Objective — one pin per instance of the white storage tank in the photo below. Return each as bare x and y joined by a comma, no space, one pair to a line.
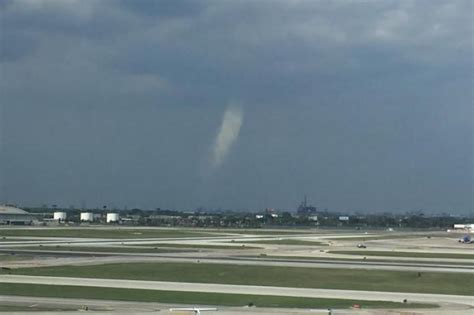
112,217
87,216
60,216
464,226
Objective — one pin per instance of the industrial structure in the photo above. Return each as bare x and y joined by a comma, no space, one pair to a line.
59,216
306,210
15,216
113,217
87,217
464,226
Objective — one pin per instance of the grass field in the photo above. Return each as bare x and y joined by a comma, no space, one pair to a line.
19,308
192,298
98,249
388,236
198,246
356,259
35,308
8,257
12,239
145,248
402,254
104,233
286,242
265,231
350,279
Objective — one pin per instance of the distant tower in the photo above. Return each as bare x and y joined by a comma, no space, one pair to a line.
304,209
83,204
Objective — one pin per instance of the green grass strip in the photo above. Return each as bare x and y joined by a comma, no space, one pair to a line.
104,233
98,249
402,254
198,246
359,260
287,242
344,278
193,298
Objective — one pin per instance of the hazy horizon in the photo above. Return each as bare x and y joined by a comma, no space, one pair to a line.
361,106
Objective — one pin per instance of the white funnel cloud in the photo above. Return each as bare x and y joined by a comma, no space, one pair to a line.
228,133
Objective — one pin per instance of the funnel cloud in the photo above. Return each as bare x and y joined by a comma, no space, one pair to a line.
227,135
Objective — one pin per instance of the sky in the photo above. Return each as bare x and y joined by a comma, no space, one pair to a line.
360,105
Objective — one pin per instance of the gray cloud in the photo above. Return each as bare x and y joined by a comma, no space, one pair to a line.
163,8
359,104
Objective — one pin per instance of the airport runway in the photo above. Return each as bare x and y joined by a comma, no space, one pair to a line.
317,255
242,289
79,258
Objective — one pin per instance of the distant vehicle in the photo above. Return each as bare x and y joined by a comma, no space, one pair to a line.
361,246
196,310
466,239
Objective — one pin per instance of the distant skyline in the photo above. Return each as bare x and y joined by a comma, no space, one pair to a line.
360,105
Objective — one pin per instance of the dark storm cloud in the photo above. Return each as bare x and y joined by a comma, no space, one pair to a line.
163,8
20,44
359,104
255,49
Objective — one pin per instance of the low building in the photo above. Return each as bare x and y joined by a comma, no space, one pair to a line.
469,226
15,216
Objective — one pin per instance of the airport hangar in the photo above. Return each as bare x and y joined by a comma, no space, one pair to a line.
14,216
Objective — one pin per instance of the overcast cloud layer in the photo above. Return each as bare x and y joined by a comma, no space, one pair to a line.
361,105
